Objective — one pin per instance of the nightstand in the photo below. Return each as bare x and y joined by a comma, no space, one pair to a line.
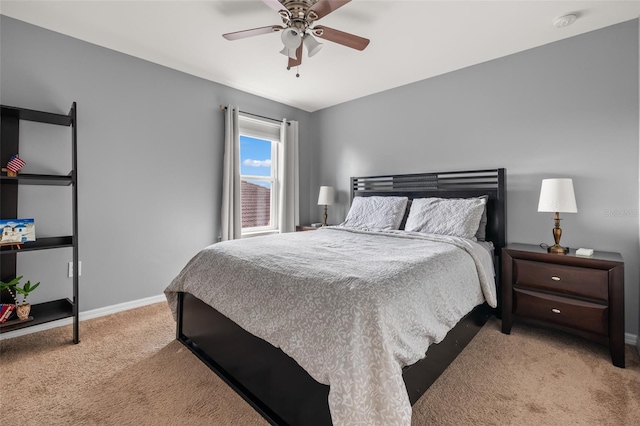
300,228
580,295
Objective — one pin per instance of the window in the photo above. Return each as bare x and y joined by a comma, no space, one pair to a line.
259,185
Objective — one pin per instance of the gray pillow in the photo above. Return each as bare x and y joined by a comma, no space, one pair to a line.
457,217
376,213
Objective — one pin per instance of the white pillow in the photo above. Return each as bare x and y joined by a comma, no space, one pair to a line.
376,213
459,217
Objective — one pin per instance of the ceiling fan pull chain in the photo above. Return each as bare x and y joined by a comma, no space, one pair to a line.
298,72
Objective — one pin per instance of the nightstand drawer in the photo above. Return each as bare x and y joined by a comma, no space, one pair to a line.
576,314
571,280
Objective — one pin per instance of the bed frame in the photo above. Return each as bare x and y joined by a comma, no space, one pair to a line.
272,382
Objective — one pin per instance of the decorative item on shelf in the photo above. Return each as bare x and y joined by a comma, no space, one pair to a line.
14,165
22,309
14,232
325,198
557,195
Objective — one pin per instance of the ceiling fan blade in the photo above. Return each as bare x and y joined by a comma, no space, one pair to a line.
275,5
252,32
296,62
340,37
324,7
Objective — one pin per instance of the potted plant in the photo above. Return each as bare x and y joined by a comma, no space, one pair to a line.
22,309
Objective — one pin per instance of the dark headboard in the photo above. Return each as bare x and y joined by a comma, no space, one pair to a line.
466,184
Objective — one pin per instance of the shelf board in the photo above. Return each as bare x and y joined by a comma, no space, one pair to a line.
39,244
36,179
39,116
42,313
15,321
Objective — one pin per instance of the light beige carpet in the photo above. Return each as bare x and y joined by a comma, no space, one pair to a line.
129,370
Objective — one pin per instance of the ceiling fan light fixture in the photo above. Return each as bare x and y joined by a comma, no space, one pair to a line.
291,38
312,45
289,52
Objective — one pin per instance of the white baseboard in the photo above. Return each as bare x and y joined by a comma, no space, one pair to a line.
632,339
94,313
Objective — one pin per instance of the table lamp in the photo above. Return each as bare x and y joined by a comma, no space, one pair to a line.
556,195
325,198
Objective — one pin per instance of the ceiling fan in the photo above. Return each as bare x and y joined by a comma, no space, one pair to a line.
298,17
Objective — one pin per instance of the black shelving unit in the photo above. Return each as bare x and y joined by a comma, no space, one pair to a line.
10,143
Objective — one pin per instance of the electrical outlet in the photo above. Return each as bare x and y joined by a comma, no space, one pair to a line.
70,270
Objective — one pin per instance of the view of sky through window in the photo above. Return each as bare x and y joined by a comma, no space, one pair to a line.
255,192
255,156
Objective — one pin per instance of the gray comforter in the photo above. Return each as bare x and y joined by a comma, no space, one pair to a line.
351,307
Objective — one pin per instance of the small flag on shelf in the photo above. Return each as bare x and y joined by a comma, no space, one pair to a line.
15,163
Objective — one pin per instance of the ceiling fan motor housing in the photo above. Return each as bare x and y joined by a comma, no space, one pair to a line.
298,15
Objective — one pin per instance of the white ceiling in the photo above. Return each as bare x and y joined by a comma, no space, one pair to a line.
410,40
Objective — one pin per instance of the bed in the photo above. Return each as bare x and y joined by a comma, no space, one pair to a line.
346,303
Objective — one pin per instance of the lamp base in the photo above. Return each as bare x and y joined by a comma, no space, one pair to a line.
557,249
557,233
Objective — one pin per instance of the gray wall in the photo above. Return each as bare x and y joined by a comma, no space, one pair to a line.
567,109
150,150
150,158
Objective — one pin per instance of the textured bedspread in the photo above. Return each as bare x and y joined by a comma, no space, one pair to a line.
351,307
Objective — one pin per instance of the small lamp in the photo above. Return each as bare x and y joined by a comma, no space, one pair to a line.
325,198
556,195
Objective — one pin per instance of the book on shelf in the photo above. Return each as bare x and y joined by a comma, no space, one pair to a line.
5,312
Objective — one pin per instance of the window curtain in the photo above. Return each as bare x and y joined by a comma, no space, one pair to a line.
288,170
231,226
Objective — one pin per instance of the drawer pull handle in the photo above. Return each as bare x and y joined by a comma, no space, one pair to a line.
555,278
555,311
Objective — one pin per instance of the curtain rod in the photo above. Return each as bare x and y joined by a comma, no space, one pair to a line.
224,107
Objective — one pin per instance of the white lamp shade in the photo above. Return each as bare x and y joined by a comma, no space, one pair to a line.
312,45
556,195
325,198
291,38
289,52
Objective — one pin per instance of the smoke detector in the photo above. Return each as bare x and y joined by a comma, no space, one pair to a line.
565,21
